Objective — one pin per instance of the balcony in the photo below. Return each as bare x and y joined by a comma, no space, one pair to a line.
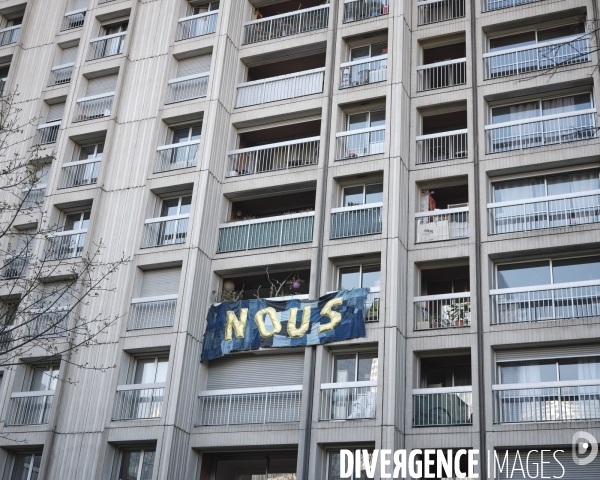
441,147
176,156
138,401
196,25
275,283
355,10
79,173
33,197
443,311
187,88
61,74
434,11
363,72
46,133
372,305
152,312
360,143
73,19
356,220
286,24
14,266
96,106
348,400
163,231
48,324
489,5
29,408
442,407
64,245
9,35
107,46
243,406
440,225
442,74
569,401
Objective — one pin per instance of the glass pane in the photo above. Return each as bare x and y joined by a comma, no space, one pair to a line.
374,193
85,220
378,49
560,32
573,183
344,368
579,369
87,153
511,113
353,196
576,270
213,6
186,203
161,370
333,468
378,118
169,207
512,41
23,465
43,379
367,367
359,53
145,371
519,189
528,372
100,150
462,376
147,465
566,104
524,274
371,276
130,465
196,131
439,377
358,121
181,135
349,278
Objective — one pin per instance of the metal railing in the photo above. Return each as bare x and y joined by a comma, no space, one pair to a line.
489,5
176,156
537,132
14,266
9,35
196,25
541,57
76,174
152,312
360,143
275,156
442,311
355,10
539,213
439,407
438,225
442,74
29,408
138,401
363,72
73,19
49,324
373,304
187,88
286,24
433,11
63,245
106,46
46,133
60,74
547,402
165,231
33,197
356,220
440,147
97,106
348,400
266,232
282,87
250,406
100,2
546,302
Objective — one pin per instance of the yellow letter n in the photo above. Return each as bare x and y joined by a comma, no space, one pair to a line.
232,323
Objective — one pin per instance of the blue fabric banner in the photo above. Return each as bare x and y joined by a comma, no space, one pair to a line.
259,323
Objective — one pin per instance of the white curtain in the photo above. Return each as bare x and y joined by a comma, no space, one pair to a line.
519,189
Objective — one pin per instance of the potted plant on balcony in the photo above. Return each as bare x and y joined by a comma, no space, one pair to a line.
458,314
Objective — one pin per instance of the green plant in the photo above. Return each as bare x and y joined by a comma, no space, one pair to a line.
458,313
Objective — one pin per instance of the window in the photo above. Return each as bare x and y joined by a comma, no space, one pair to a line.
447,377
334,463
149,370
196,8
368,51
537,371
358,121
42,378
169,226
176,206
186,134
361,276
355,367
363,195
537,108
114,28
77,221
26,466
89,152
13,22
525,39
136,464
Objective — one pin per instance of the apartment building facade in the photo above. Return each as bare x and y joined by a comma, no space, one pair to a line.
441,153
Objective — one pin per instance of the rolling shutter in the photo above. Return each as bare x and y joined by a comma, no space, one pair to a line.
548,353
193,65
100,85
249,371
161,282
68,55
553,469
55,112
79,4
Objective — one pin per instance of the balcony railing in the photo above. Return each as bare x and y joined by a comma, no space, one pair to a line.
282,87
9,35
553,211
187,88
442,74
433,11
73,19
442,311
196,25
60,74
250,406
46,133
76,174
541,57
440,147
489,5
165,231
356,220
266,232
33,197
547,402
547,130
63,245
275,156
97,106
286,24
363,72
546,302
438,225
439,407
30,408
360,143
106,46
355,10
14,266
138,401
373,304
100,2
48,324
152,312
176,156
348,400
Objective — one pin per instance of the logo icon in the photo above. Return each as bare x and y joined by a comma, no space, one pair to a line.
585,448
